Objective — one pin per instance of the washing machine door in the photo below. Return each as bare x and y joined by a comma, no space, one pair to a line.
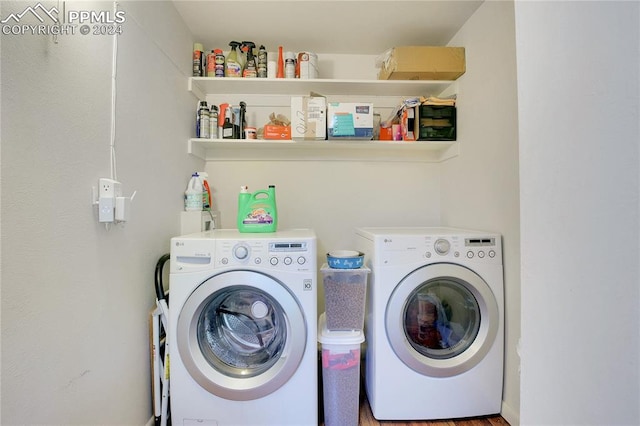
241,335
442,319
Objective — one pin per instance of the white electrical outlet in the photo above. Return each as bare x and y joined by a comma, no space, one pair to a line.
108,190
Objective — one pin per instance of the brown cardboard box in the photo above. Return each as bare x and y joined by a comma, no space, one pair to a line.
423,63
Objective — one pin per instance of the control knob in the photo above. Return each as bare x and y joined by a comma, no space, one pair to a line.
442,246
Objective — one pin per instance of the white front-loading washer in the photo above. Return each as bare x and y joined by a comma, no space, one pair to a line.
434,322
243,328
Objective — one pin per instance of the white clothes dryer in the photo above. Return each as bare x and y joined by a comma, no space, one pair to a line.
434,323
243,328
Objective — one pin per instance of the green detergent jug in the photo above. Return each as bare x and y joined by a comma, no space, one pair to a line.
257,211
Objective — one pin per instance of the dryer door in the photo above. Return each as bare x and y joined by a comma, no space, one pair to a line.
241,335
442,319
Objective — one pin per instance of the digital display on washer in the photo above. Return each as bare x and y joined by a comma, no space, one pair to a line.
479,242
299,246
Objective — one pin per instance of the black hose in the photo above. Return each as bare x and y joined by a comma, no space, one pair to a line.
159,267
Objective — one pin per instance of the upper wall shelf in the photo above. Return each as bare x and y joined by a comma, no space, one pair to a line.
343,150
200,86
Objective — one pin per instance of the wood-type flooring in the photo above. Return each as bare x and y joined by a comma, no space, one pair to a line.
367,419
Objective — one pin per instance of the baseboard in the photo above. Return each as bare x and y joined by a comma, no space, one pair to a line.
151,422
510,415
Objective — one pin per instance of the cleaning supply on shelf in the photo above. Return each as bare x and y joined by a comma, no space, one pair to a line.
250,67
289,65
206,191
211,64
213,122
198,60
262,62
242,120
220,63
233,66
193,194
280,70
202,120
257,212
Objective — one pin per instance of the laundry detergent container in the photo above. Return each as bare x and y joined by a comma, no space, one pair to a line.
344,297
340,374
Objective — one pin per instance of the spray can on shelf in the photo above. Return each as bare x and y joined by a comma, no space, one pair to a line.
289,65
219,63
211,64
198,60
213,122
262,62
193,194
202,120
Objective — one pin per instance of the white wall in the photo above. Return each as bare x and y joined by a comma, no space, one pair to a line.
480,186
76,297
578,88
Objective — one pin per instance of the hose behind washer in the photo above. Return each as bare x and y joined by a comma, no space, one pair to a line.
159,268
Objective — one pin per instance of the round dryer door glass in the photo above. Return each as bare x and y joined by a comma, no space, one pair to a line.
242,331
441,318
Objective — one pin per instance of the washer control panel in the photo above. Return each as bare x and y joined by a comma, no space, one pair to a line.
284,255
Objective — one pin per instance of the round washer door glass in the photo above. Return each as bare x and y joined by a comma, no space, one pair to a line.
241,335
442,319
242,331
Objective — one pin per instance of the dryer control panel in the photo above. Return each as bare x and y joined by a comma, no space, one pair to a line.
406,249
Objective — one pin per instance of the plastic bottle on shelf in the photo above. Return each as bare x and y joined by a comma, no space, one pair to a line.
280,70
193,194
250,67
233,66
206,191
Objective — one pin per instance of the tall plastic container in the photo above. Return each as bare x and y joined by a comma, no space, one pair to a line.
257,212
193,194
344,297
340,374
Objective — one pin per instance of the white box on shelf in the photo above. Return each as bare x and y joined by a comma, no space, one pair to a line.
308,118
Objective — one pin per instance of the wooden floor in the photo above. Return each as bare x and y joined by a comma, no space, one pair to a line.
367,419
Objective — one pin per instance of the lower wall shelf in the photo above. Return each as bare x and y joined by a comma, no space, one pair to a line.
342,150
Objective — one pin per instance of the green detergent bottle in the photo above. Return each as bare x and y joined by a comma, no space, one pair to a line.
257,211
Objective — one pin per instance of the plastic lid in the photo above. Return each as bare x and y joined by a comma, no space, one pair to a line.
353,337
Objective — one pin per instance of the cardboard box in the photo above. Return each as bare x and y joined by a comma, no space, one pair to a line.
272,132
422,63
309,117
350,120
